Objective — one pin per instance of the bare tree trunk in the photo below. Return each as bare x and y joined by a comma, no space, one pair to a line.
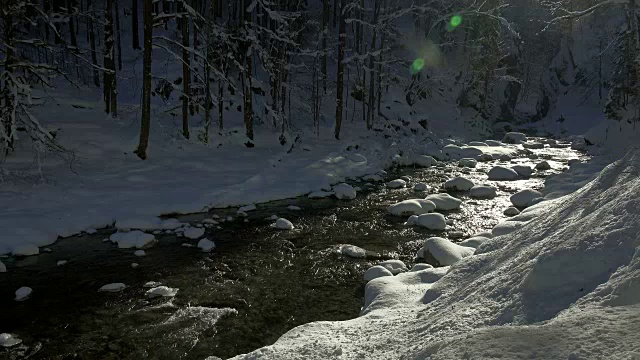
92,42
325,33
145,124
370,112
339,86
134,24
117,3
248,95
109,71
186,74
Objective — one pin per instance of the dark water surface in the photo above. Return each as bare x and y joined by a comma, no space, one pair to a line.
256,285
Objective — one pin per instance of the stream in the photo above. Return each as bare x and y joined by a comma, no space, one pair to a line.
257,283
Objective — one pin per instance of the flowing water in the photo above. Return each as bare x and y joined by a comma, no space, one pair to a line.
257,284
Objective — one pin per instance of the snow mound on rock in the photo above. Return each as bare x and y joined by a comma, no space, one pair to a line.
524,198
396,184
23,293
113,287
483,192
432,221
9,340
474,242
421,187
344,191
162,291
458,184
467,162
375,272
503,173
412,207
446,252
394,266
206,245
193,233
514,138
283,224
444,201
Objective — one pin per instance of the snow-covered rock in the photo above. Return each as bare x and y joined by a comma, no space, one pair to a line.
452,151
424,161
9,340
344,191
523,198
193,233
26,250
137,239
514,138
474,242
320,194
483,192
206,245
484,157
420,267
113,287
523,170
413,207
394,266
478,143
353,251
471,152
283,224
294,208
247,208
3,267
139,253
446,252
23,293
511,211
468,162
494,143
444,201
163,291
420,187
375,272
396,184
458,184
432,221
170,224
503,173
544,165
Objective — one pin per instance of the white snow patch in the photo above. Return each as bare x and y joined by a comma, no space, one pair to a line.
139,253
283,224
23,293
394,266
474,242
206,245
193,233
458,184
114,287
9,340
444,201
163,291
420,267
344,191
483,192
294,208
413,207
503,173
396,184
446,252
375,272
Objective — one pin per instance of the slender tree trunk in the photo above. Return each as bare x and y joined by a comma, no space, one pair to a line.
117,10
145,124
9,101
248,95
72,29
186,74
370,112
134,24
109,71
339,84
325,33
92,42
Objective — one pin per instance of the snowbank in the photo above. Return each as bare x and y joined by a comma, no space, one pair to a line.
564,285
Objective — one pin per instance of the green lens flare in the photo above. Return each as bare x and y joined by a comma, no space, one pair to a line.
456,21
417,66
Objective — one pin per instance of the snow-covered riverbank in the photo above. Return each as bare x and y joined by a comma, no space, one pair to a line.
564,284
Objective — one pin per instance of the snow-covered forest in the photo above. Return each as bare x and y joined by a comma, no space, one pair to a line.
323,179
